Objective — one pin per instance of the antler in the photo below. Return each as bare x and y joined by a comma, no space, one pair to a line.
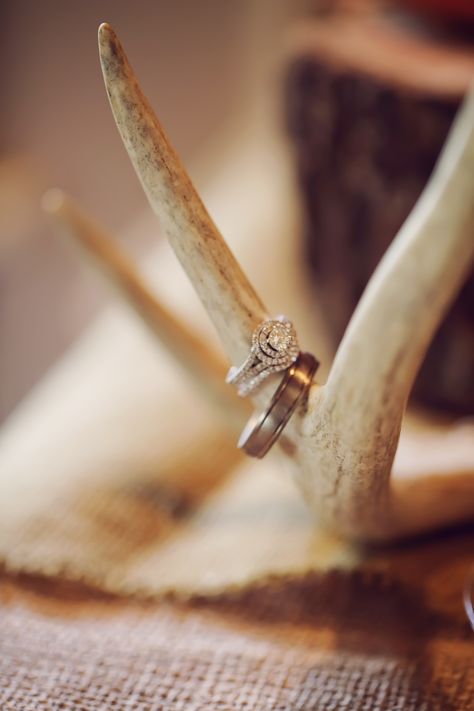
200,362
221,285
345,442
356,420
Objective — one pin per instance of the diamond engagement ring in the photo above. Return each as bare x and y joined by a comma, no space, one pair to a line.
274,348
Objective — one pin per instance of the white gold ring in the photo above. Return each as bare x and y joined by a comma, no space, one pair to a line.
274,348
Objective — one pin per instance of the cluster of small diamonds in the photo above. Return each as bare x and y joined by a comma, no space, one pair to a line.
274,341
274,348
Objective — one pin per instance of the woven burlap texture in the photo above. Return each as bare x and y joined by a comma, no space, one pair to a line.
386,641
201,523
252,623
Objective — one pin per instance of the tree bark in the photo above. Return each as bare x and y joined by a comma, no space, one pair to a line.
369,105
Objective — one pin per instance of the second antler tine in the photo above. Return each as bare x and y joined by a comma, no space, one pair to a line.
226,293
350,431
406,299
200,361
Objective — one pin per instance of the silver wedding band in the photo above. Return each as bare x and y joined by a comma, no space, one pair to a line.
263,429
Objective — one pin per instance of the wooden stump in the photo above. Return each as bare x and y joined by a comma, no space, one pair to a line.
369,104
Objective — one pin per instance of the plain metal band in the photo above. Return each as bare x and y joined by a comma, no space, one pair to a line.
263,429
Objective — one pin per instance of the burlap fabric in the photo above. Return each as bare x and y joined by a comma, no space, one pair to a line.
393,635
202,523
249,605
386,640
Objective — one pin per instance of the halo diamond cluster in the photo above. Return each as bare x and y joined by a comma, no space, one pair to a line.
274,348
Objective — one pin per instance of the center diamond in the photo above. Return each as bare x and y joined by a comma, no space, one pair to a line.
279,338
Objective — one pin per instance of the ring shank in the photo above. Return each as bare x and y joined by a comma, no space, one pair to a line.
263,429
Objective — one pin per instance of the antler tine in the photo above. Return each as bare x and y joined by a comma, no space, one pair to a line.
219,281
202,363
364,399
344,441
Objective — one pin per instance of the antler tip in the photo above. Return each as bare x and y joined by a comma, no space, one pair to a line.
109,44
105,32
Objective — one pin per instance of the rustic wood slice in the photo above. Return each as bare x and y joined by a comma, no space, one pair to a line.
370,101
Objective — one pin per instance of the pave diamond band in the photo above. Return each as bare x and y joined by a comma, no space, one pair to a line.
274,348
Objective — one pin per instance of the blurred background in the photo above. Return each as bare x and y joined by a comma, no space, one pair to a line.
363,146
202,64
